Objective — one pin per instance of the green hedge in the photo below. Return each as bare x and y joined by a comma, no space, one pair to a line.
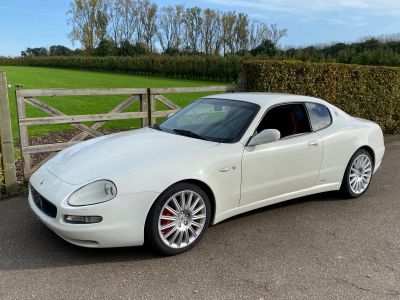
191,67
367,92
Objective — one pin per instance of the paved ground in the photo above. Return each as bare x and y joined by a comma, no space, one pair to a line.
315,247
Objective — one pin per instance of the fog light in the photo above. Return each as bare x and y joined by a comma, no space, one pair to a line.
82,219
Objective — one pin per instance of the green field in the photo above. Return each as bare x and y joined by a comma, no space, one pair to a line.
33,77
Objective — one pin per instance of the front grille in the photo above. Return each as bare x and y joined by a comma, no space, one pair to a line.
43,204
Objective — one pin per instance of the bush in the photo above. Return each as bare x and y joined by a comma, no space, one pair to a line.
182,66
367,92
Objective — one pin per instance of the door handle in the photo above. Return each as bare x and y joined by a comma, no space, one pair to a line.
313,144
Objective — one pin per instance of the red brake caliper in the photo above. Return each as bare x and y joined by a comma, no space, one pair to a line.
166,213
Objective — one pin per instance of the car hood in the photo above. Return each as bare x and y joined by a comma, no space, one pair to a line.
107,156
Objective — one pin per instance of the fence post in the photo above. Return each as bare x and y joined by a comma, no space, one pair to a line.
23,135
144,107
152,108
7,143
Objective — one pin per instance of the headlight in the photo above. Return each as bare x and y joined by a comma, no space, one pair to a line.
93,193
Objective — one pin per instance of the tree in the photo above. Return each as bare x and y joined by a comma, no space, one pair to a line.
59,50
106,47
193,29
228,21
140,49
126,49
241,33
40,51
210,31
276,34
130,19
115,13
266,48
78,52
147,20
258,33
89,20
170,27
171,51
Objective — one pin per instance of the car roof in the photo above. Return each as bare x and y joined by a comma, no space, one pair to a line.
266,99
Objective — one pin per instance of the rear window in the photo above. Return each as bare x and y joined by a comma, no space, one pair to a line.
320,116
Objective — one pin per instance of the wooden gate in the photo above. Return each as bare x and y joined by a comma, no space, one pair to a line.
148,114
57,117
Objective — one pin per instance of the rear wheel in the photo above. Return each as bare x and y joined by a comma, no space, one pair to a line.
178,219
358,174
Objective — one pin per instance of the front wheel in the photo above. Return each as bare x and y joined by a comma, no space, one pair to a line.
178,219
358,174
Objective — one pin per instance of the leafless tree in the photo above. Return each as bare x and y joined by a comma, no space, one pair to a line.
258,32
276,34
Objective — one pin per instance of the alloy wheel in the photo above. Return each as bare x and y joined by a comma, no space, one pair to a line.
360,174
182,219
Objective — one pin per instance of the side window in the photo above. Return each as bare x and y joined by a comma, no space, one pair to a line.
320,116
289,119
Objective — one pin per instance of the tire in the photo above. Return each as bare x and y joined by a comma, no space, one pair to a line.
358,174
178,219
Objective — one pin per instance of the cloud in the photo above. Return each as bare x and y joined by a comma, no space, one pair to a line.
343,13
304,6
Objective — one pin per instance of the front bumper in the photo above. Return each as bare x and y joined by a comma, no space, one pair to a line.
123,221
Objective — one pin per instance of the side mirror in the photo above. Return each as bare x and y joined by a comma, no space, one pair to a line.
265,136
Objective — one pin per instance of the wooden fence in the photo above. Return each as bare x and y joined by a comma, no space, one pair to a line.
7,161
148,113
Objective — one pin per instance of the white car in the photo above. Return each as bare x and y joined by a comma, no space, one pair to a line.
221,156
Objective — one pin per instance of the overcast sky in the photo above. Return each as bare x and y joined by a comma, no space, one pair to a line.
34,23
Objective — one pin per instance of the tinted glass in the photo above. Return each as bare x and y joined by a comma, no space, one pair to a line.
217,120
319,114
289,119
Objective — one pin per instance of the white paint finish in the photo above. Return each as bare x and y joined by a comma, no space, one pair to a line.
133,150
119,215
280,167
143,163
281,198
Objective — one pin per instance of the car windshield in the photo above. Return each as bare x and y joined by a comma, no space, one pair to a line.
217,120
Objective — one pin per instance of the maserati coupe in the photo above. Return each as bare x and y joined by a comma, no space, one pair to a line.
221,156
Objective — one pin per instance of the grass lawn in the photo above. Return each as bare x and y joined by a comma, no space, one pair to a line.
34,77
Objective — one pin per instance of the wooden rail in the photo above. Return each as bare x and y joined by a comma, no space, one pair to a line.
6,139
147,97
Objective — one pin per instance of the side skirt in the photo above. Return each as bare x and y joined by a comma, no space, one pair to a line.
289,196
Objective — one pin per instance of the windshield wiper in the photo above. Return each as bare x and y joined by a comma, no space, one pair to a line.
156,127
189,133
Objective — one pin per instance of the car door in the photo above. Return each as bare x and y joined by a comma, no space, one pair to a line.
287,165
